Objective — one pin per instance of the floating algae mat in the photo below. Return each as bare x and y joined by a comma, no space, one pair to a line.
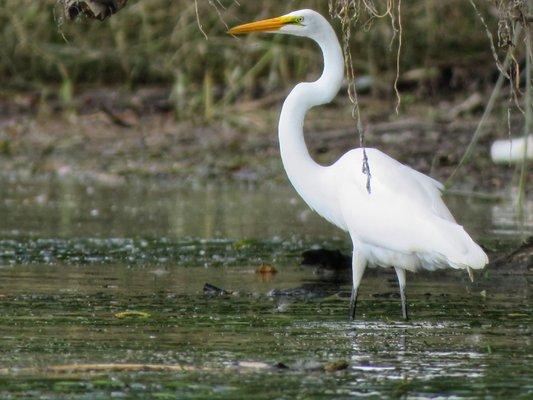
102,295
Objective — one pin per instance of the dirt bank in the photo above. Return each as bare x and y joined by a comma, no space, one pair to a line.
114,135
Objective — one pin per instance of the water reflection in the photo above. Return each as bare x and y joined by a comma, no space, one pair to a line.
508,219
74,255
66,208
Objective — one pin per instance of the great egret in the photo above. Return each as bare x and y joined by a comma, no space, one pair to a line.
402,221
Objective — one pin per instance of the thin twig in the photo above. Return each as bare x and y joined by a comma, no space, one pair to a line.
198,19
491,41
400,28
220,16
342,12
528,117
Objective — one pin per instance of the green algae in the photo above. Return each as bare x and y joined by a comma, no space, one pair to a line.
60,292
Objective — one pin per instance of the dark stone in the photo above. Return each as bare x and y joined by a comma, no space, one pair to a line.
212,290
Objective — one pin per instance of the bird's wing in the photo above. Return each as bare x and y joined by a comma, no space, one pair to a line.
433,191
387,174
403,213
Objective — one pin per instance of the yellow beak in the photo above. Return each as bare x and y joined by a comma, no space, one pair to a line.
266,25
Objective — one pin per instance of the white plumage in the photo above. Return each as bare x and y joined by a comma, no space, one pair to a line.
402,222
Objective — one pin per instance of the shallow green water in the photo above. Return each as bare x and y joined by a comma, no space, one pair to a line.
73,256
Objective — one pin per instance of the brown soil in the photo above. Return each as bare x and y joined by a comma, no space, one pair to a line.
112,135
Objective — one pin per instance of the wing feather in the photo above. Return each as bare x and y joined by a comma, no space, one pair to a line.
404,212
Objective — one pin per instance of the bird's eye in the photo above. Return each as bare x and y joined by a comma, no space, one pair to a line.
299,20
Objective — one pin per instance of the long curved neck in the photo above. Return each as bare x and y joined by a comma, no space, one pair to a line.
303,172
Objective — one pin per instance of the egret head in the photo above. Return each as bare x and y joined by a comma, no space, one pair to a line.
306,23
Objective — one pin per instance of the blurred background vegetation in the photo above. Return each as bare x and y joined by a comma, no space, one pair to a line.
173,59
445,48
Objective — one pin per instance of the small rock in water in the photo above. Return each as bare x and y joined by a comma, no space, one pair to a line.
212,290
336,366
280,365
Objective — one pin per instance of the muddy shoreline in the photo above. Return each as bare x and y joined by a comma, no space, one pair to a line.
113,135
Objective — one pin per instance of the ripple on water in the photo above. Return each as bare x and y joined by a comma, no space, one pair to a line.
66,272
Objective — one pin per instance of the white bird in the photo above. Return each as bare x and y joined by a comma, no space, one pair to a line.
402,221
512,150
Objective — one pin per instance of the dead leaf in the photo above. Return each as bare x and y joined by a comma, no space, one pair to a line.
267,269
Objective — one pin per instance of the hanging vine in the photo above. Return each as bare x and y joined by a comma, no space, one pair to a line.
349,13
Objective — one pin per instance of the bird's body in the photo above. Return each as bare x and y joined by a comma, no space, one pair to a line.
402,221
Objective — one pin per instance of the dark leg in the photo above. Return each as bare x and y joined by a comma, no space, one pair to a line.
404,303
400,272
353,303
358,269
470,274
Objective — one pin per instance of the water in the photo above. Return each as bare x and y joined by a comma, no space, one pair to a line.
74,256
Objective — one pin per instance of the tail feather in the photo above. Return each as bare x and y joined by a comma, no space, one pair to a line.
466,253
454,248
